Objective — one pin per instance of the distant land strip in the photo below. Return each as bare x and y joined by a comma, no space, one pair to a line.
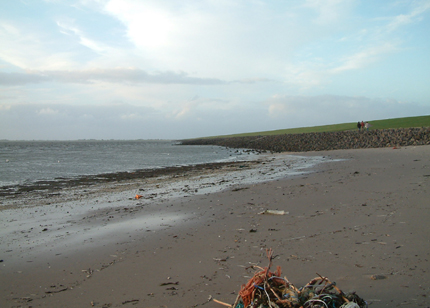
323,141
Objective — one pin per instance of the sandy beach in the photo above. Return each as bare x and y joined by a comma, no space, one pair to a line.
359,217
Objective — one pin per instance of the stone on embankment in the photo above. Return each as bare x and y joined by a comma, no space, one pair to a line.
324,141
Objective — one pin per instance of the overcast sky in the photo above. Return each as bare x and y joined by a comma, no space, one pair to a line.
169,69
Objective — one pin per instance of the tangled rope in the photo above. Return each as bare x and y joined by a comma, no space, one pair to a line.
268,289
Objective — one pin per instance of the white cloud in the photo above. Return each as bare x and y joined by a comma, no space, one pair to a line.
5,107
362,49
185,111
25,47
48,111
21,79
197,105
148,26
415,15
306,75
302,111
118,75
9,29
130,116
363,58
193,119
93,45
197,36
330,11
206,64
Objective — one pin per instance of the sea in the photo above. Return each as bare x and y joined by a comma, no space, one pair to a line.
25,162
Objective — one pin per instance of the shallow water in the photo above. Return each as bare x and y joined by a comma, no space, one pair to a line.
93,215
24,162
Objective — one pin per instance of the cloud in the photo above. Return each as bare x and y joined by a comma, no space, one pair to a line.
330,11
195,107
149,25
131,116
224,39
93,45
48,111
306,75
120,75
5,107
415,15
195,118
317,73
302,111
9,79
24,47
9,29
207,67
253,80
364,58
186,110
369,43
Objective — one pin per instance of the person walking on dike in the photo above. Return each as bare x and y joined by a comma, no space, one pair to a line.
362,125
367,125
359,125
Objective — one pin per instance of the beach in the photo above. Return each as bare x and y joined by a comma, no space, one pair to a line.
359,217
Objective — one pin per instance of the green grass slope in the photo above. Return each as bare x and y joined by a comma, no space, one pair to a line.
420,121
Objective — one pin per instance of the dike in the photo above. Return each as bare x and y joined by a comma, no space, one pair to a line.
323,141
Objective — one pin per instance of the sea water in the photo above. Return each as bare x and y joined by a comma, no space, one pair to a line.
24,162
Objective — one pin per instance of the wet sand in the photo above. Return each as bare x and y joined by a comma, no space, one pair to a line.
363,214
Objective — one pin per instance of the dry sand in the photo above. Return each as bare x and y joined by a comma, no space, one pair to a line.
364,213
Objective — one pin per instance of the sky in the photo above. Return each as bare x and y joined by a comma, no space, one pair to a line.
169,69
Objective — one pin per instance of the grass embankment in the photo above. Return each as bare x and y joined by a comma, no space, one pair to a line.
421,121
